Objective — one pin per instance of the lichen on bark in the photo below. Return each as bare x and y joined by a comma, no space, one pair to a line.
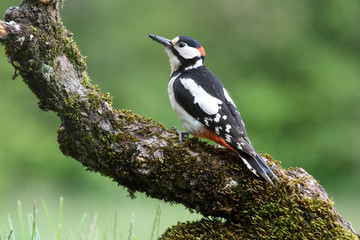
142,155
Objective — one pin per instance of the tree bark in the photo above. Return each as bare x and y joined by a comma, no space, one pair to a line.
143,156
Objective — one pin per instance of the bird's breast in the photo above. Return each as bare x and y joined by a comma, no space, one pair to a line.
191,124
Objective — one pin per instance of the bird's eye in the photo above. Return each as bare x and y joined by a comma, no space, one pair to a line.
181,44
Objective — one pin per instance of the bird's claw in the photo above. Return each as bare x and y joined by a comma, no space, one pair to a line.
182,134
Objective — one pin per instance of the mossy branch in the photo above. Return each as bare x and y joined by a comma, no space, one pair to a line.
143,156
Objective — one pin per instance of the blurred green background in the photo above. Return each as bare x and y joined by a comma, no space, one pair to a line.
292,67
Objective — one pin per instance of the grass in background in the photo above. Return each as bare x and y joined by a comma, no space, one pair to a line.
86,229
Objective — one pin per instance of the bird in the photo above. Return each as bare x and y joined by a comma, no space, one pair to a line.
203,105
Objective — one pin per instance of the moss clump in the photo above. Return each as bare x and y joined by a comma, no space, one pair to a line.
95,97
218,229
132,118
71,109
70,48
52,41
203,229
258,211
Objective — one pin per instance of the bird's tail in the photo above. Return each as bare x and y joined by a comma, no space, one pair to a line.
258,166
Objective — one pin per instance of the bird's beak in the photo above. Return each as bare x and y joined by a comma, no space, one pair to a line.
164,41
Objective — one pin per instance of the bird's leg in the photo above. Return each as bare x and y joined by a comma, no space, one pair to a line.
182,134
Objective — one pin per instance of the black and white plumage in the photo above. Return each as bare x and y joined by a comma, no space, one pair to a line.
202,104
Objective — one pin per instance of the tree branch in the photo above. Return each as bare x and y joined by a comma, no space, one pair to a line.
143,156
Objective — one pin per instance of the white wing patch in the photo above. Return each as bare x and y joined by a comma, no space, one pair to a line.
207,103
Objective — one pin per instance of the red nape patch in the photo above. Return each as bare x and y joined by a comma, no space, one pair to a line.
206,133
202,51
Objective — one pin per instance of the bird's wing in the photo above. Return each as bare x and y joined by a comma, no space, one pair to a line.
204,97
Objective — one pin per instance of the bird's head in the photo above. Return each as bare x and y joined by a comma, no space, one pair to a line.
184,52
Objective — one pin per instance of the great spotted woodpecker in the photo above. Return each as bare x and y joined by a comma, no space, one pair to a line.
203,105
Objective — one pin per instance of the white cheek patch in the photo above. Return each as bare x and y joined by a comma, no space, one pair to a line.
207,103
188,52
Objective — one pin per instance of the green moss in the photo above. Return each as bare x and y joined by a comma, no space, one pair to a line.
264,213
86,80
55,41
217,229
72,51
63,140
72,109
95,97
203,229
